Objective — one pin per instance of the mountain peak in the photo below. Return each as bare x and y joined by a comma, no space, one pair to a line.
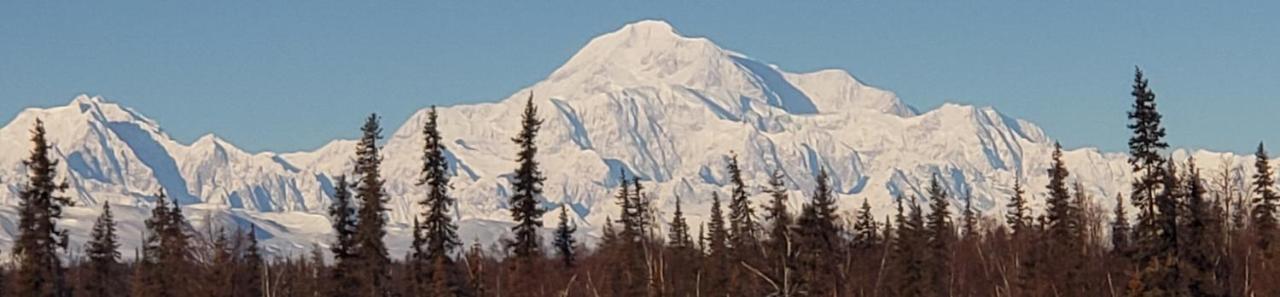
653,28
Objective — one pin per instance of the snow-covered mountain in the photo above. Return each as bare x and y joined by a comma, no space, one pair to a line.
643,99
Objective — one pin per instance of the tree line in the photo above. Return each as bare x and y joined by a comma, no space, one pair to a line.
1193,233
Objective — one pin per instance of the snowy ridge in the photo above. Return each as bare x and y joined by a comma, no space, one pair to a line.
643,99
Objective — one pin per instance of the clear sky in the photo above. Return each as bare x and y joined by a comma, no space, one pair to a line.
291,75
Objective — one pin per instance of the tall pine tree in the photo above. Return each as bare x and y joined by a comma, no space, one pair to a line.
1263,216
941,234
438,232
779,218
438,226
526,187
370,251
1145,156
342,214
102,279
820,235
166,265
742,222
37,268
564,242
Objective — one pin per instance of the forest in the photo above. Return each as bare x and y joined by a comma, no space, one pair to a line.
1181,231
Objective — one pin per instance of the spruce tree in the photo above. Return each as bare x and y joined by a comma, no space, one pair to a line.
222,266
820,236
564,242
370,251
865,232
1063,224
1120,230
437,236
37,268
526,187
911,275
1198,248
1145,149
717,239
741,215
249,277
102,279
166,266
1263,215
342,215
439,229
940,234
969,218
678,234
779,218
1017,217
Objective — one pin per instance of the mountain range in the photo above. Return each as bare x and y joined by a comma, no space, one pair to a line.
644,100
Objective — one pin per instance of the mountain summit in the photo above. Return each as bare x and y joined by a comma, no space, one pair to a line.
644,100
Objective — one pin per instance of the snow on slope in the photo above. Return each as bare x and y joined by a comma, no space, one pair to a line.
643,99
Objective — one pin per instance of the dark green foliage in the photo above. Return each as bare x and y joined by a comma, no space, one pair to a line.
1199,238
103,250
866,230
742,222
819,233
717,266
940,233
564,242
1145,156
526,186
678,234
1121,243
372,261
342,214
780,221
436,238
1017,217
38,270
438,226
167,266
911,273
1263,216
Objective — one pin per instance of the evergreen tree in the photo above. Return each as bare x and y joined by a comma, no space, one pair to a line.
249,278
678,236
370,251
718,251
1063,228
911,275
969,218
1263,216
1120,242
1198,248
819,235
102,276
526,188
37,268
865,232
441,234
166,265
437,236
940,235
780,219
220,277
1018,218
741,215
342,214
1164,273
564,241
1145,149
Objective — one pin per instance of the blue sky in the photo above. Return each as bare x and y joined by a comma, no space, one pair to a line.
270,75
